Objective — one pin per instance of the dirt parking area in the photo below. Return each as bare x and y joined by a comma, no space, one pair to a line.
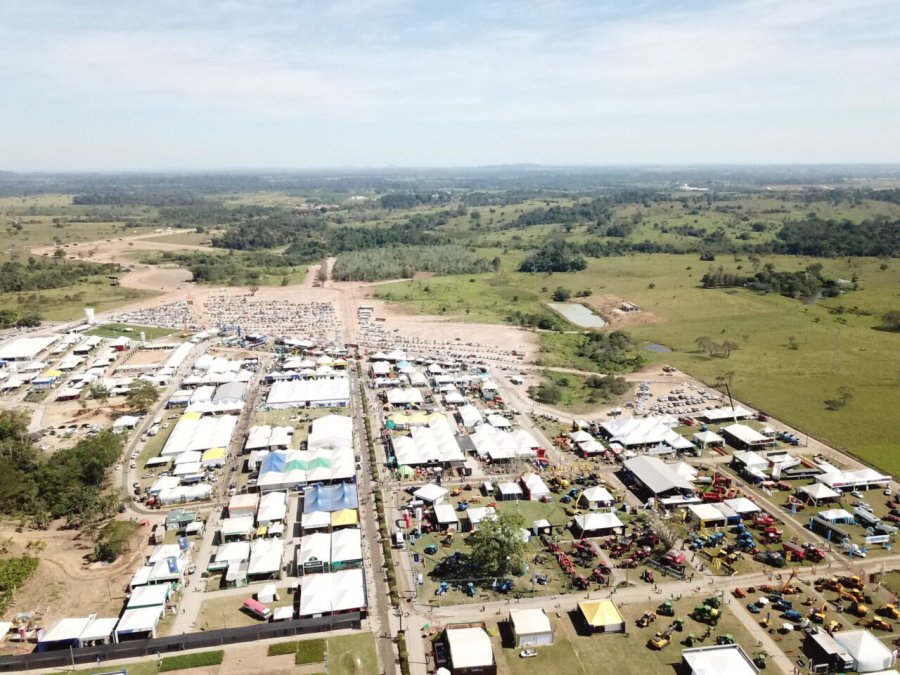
65,584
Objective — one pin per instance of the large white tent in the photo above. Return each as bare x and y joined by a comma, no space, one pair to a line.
632,432
321,392
266,437
497,445
434,443
193,432
869,654
26,348
470,648
322,594
265,557
405,397
331,431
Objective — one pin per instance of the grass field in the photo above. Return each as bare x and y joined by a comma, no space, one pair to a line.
68,303
615,653
114,330
833,349
352,654
227,612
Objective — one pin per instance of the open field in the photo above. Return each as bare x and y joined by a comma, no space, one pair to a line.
68,303
227,612
834,347
352,654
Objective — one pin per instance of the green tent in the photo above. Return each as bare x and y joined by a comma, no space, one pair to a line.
406,471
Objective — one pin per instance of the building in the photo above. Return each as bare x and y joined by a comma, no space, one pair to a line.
76,632
470,651
717,659
597,524
745,438
25,349
534,486
531,627
658,477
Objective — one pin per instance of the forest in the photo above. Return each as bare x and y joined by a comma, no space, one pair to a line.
68,485
39,274
402,262
803,284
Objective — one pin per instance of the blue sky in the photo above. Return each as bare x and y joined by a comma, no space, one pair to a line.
92,85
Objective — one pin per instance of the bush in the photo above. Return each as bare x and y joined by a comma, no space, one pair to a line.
310,651
282,648
198,660
13,573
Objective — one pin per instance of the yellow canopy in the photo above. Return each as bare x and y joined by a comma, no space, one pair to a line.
213,454
599,613
344,517
261,530
53,373
191,416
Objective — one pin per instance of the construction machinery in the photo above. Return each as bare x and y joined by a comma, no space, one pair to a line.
890,611
662,639
833,626
858,609
817,615
853,582
646,619
878,623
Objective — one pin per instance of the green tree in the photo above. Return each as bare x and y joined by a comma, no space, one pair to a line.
497,545
100,393
561,294
546,392
141,395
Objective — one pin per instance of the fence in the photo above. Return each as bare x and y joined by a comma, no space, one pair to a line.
160,646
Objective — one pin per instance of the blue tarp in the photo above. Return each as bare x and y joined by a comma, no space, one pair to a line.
330,498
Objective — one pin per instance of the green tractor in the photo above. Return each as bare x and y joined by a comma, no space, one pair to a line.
727,639
707,614
760,661
666,609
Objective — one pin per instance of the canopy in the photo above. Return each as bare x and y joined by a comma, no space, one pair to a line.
341,591
431,493
344,517
469,648
601,614
819,491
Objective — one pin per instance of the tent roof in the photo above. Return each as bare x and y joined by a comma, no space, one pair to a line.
235,551
315,520
819,491
868,651
265,556
237,526
529,621
344,517
141,620
600,613
597,521
335,592
535,484
745,434
741,505
148,596
444,513
706,512
656,475
66,629
717,659
469,647
430,492
315,547
597,494
99,629
346,544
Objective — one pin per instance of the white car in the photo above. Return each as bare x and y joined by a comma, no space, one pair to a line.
527,653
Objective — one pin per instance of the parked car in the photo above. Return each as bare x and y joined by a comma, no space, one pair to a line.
527,653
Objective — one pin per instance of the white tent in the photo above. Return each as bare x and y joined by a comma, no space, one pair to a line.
478,513
148,596
597,523
431,493
265,557
741,505
405,397
142,620
322,594
726,413
499,422
535,488
819,492
470,648
314,553
233,552
596,497
496,445
705,438
322,392
446,516
193,432
346,546
470,416
435,442
531,627
272,507
869,654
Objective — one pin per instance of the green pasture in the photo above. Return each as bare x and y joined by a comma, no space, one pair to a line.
114,330
68,303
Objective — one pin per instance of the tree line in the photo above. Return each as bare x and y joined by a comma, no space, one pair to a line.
402,262
39,274
801,284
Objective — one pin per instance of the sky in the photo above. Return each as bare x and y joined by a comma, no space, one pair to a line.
247,84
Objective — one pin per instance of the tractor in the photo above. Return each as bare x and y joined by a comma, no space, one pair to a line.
858,609
726,639
646,619
889,611
880,624
760,661
666,609
706,614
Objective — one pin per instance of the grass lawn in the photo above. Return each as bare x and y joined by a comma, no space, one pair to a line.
68,303
576,654
352,655
310,651
195,660
114,330
834,347
139,668
576,395
227,612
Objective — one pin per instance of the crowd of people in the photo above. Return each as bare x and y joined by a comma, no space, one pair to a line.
315,321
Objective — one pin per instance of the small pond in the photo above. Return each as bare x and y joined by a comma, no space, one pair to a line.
577,314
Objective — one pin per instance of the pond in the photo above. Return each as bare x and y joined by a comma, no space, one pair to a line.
577,314
653,347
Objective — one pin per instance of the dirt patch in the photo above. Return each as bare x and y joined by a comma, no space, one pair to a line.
610,307
65,584
147,357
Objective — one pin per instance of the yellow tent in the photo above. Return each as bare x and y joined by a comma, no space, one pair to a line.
53,373
602,615
344,517
191,416
213,454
